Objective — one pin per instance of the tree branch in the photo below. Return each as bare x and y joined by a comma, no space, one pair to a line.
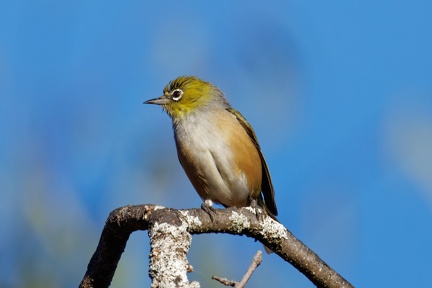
256,261
237,221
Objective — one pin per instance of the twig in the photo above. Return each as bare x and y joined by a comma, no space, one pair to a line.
225,281
256,261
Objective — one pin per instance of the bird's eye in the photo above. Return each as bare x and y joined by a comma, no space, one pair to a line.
177,94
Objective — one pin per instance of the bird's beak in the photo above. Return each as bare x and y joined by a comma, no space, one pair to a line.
163,100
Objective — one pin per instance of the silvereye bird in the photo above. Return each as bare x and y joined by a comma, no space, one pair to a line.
216,146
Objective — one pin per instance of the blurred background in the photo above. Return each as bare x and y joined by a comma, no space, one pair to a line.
339,94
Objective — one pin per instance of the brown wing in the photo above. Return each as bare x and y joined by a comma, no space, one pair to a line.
266,185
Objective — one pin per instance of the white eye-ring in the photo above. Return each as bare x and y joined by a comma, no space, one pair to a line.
177,94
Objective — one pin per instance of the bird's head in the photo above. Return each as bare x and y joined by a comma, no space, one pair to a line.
188,94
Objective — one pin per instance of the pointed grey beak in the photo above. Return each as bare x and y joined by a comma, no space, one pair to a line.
158,101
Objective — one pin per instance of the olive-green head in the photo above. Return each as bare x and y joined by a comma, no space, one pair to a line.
188,94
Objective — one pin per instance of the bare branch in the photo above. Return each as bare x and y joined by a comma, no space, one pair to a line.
237,221
224,281
256,261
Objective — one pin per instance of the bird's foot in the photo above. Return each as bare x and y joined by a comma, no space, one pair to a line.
207,206
259,211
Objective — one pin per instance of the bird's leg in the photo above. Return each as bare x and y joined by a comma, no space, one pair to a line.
207,206
259,211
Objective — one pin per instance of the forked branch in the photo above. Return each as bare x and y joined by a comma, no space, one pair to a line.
256,261
173,227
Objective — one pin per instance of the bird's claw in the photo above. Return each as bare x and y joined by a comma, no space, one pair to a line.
258,210
207,206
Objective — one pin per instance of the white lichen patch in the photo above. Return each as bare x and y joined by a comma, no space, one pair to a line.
191,221
168,262
239,221
253,210
273,229
165,228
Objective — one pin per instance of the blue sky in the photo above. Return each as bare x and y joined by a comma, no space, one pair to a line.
339,94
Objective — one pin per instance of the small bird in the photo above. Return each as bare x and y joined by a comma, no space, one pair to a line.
216,146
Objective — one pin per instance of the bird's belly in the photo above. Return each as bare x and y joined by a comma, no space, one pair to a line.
208,162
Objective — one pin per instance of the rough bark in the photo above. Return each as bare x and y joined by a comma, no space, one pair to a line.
170,236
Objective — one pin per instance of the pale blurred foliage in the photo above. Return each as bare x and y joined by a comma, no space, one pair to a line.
408,137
